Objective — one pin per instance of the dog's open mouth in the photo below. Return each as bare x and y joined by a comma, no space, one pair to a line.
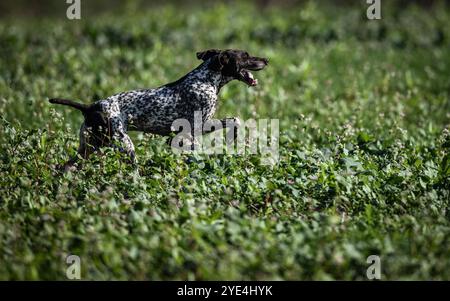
247,77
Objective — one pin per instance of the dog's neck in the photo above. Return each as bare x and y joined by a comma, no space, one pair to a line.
207,75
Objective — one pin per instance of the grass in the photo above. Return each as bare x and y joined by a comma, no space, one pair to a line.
364,147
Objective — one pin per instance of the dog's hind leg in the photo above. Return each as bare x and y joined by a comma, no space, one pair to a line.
126,145
119,134
84,149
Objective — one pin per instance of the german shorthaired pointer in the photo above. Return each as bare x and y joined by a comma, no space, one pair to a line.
154,110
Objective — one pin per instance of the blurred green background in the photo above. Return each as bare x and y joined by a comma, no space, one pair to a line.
30,8
364,143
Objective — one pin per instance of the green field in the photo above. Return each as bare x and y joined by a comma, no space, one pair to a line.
364,166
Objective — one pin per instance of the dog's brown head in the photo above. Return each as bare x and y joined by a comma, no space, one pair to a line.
236,64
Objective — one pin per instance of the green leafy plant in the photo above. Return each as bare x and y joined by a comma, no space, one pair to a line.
364,148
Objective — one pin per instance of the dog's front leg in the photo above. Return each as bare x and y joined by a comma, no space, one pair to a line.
232,124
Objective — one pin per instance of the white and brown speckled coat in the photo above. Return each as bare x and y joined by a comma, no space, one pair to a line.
154,110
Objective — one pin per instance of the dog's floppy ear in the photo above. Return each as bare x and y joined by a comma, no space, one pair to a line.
207,54
219,58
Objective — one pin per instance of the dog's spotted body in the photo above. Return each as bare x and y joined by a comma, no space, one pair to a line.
154,110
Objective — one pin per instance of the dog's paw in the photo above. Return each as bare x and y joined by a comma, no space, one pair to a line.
69,168
235,121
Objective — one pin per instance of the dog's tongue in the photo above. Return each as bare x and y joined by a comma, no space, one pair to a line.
249,79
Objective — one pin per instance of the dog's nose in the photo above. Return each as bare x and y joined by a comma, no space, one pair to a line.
266,61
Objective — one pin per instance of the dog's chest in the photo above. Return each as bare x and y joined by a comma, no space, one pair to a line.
201,97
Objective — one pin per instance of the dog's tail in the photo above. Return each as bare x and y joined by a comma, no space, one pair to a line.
79,106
